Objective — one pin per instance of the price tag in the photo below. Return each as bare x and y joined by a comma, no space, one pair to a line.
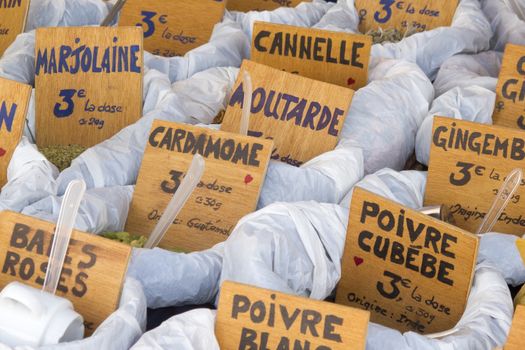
229,189
13,15
411,271
172,29
333,57
93,273
468,164
14,101
420,15
261,5
510,91
516,340
302,116
254,318
88,83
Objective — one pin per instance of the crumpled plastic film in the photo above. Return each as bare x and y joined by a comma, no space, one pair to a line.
176,278
65,13
465,86
508,24
192,330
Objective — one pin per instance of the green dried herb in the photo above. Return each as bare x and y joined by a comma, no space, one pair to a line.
62,156
393,35
135,241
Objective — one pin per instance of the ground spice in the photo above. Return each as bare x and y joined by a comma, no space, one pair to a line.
62,156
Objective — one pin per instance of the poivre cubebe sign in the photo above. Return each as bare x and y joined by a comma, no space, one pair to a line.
261,5
13,15
229,189
14,101
510,91
403,15
172,28
93,272
304,117
411,271
255,318
333,57
88,83
468,164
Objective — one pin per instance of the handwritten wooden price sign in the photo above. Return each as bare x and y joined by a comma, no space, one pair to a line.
93,272
303,116
14,101
468,164
333,57
510,91
230,187
516,340
261,5
411,271
402,15
254,318
88,83
13,15
173,28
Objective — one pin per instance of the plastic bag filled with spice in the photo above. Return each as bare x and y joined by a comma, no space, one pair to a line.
465,86
382,131
296,248
469,32
65,13
507,18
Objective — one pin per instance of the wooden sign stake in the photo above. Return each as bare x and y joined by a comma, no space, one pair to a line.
247,102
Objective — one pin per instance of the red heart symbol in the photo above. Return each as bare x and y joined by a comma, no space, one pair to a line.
350,81
248,179
358,261
2,152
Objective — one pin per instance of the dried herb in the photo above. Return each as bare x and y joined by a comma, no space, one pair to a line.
62,156
135,241
380,36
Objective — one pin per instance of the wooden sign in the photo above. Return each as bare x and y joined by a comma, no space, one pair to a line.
13,15
468,164
93,271
303,116
510,91
516,340
411,271
14,101
520,245
172,28
420,15
333,57
229,189
88,83
254,318
261,5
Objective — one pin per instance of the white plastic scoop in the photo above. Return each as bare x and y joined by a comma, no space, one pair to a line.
505,192
188,184
32,317
246,103
113,13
